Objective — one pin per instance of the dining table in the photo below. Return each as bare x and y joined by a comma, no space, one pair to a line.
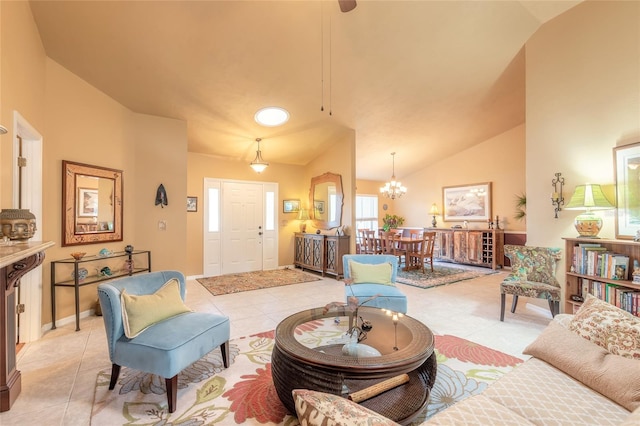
407,244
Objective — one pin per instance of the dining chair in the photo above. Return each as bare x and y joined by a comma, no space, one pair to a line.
370,242
422,252
390,242
415,234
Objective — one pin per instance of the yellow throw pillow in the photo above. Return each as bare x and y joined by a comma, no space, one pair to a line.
141,312
365,273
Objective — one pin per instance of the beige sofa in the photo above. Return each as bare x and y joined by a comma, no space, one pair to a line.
584,370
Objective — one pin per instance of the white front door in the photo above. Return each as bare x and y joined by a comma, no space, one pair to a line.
242,217
240,232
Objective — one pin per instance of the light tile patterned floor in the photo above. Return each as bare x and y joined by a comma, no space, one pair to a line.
59,370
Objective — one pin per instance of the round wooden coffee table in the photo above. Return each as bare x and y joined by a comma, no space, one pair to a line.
405,345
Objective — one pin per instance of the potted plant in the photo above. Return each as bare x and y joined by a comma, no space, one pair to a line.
391,222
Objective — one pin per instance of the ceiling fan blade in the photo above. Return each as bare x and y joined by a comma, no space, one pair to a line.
347,5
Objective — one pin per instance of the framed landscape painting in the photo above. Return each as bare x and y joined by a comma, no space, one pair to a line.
626,160
467,202
290,206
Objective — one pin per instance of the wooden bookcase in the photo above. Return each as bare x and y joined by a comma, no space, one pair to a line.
575,280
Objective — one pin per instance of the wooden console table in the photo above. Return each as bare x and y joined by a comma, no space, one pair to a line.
15,261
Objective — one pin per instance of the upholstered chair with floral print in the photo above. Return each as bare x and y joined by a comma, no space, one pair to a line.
532,275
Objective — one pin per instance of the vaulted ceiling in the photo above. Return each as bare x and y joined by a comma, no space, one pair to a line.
425,79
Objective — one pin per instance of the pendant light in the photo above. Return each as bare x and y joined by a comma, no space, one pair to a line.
258,164
393,189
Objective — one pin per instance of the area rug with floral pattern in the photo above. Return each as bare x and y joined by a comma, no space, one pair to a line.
244,393
235,283
441,275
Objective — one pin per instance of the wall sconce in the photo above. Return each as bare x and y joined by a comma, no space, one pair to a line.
433,211
557,199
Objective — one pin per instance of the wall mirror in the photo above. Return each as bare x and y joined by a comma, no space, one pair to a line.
325,200
92,204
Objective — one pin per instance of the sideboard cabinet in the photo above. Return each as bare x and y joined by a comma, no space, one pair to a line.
479,247
321,253
587,270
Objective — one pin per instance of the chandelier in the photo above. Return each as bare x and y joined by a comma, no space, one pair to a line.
258,164
393,189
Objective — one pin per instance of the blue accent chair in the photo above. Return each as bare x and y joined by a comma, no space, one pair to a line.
389,296
167,347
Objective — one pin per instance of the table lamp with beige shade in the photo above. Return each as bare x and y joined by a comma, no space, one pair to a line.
303,217
588,197
433,211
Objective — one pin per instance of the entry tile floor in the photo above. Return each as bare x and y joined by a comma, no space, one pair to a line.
59,370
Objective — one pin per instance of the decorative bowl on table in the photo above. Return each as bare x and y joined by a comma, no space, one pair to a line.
82,274
78,255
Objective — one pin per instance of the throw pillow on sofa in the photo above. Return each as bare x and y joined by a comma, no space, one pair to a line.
140,312
318,409
608,326
365,273
614,376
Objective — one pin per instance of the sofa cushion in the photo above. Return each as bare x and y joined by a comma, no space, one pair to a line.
142,311
367,273
318,409
614,376
608,326
545,395
478,410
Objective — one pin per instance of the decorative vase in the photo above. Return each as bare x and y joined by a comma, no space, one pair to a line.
17,224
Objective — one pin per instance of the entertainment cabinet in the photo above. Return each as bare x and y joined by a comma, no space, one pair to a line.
321,253
575,280
478,247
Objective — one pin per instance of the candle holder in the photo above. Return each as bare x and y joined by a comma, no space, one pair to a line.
557,199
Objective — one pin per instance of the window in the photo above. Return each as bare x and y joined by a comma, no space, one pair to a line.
367,212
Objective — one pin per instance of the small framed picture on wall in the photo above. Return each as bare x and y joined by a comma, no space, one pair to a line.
192,204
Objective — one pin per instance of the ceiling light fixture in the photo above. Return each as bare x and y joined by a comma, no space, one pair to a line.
258,164
393,189
272,116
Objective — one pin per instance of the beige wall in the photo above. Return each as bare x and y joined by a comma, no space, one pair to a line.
23,82
583,99
499,160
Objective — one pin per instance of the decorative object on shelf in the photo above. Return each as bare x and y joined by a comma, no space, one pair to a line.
18,224
258,164
82,274
497,222
128,265
290,206
521,207
192,204
78,255
303,216
557,198
104,272
467,202
627,173
161,196
391,222
588,197
393,189
128,249
433,211
105,252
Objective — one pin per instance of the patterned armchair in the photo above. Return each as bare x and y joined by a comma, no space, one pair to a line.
532,275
